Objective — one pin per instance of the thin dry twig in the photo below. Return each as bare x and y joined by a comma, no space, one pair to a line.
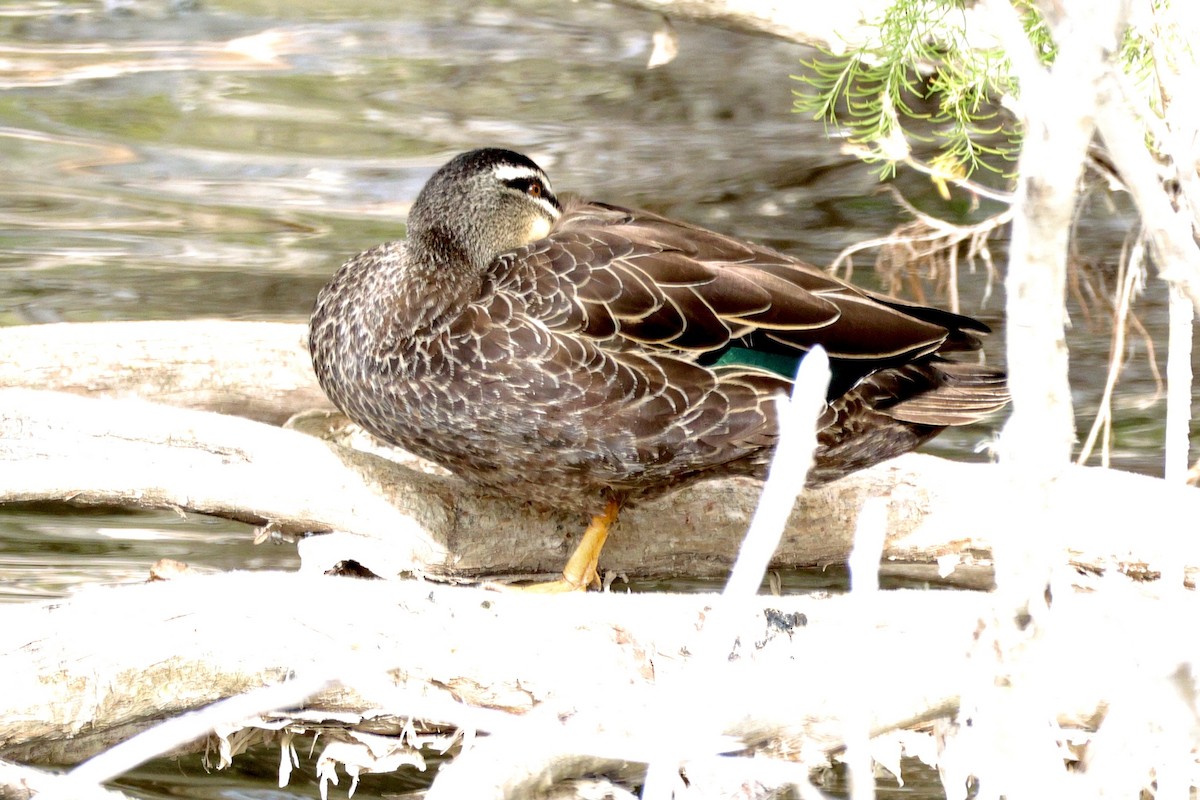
930,245
1129,277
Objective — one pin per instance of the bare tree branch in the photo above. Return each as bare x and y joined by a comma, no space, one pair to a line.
19,782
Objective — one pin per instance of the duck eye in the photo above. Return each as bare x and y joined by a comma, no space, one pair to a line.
530,186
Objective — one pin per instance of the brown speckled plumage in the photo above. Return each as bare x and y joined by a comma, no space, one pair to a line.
588,363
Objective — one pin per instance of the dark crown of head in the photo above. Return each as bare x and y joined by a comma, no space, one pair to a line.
487,159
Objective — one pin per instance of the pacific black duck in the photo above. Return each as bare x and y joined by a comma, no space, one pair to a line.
583,355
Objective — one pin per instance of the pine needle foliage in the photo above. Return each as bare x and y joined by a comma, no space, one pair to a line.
919,81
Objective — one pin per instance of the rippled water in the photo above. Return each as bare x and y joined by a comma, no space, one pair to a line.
170,160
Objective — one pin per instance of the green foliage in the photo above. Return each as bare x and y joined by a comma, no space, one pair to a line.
919,81
1140,48
920,69
1037,30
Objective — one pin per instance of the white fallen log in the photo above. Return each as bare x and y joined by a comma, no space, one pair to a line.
259,370
601,675
116,658
942,516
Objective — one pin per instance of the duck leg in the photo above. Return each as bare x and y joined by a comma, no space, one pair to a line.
580,571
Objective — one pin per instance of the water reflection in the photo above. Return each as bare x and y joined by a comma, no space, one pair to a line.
46,553
221,141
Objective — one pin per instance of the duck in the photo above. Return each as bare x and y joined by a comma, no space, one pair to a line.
586,356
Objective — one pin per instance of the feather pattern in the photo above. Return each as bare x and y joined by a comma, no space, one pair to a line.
604,358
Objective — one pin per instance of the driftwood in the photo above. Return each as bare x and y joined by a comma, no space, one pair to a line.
606,674
258,370
567,656
403,517
395,519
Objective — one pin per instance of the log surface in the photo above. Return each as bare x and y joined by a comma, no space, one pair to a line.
944,518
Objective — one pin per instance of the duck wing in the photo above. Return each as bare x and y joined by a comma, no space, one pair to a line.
633,280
